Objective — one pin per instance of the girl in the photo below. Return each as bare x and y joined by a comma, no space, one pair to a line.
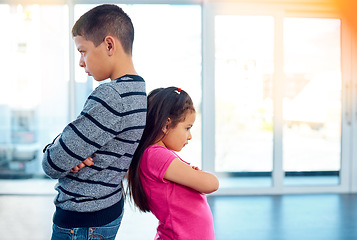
160,181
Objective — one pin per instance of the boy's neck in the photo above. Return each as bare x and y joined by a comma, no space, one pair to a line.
125,69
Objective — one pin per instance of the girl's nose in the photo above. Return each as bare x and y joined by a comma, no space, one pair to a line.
189,136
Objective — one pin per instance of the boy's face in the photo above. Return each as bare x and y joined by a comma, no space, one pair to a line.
93,59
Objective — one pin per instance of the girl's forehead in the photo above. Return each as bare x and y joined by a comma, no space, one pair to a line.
190,116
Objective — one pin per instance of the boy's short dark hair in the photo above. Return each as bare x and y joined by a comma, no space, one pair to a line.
104,20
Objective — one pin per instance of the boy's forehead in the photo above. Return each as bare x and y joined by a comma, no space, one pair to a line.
81,41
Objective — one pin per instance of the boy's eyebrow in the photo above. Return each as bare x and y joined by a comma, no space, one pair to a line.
79,47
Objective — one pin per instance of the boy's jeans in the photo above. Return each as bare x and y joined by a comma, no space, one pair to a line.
107,232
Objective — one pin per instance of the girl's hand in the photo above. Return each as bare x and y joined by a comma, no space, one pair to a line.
87,162
196,168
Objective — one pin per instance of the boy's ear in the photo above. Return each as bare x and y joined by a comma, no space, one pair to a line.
110,44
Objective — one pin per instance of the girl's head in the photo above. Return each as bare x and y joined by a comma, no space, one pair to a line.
170,117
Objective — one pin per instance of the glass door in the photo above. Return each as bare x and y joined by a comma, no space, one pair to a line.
278,99
244,68
312,101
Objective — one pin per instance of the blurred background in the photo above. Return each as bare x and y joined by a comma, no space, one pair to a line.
273,82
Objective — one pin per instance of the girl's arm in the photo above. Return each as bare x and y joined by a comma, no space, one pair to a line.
181,173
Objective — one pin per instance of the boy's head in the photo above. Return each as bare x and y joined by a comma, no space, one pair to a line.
104,20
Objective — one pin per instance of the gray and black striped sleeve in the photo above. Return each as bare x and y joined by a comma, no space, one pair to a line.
107,112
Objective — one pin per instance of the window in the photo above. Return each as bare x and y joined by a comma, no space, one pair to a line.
278,95
34,84
244,68
273,85
312,100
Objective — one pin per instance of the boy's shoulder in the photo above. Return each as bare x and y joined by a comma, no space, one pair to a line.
128,92
129,79
123,84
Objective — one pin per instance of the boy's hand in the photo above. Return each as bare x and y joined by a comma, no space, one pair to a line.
87,162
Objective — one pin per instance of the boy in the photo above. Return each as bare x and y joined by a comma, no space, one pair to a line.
104,136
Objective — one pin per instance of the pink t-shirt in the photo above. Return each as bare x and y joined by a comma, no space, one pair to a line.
183,213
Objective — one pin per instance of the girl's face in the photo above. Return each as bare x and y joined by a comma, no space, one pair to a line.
176,138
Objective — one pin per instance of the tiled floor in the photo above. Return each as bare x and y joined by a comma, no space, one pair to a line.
287,217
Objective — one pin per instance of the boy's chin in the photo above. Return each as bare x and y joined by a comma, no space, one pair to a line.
100,79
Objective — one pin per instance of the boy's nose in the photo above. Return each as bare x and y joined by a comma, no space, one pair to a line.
81,63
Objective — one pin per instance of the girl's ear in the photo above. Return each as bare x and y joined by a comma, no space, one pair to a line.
110,44
165,128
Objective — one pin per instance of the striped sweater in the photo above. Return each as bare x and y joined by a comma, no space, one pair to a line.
108,129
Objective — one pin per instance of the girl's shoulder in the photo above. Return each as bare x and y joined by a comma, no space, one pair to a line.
155,161
156,149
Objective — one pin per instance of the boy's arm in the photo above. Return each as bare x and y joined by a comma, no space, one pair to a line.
97,124
50,144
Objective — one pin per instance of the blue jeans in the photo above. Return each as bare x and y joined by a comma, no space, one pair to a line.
106,232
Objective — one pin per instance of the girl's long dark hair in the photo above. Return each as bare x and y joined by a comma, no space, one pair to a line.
163,103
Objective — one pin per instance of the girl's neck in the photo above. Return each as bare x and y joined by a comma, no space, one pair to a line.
160,143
